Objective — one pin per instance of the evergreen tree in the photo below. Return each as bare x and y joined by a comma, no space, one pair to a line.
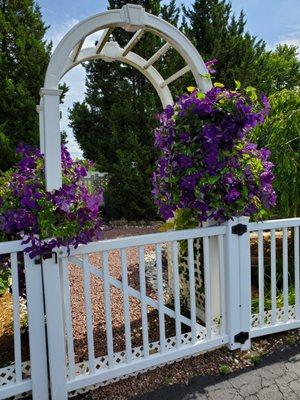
114,125
218,34
24,56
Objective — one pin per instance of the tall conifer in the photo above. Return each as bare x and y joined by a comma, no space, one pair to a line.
24,56
218,34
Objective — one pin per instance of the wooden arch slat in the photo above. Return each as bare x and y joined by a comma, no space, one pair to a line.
157,55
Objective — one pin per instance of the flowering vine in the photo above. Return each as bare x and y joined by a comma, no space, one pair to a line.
207,167
68,216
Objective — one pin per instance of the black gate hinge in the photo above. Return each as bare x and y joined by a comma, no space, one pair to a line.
239,229
45,256
241,337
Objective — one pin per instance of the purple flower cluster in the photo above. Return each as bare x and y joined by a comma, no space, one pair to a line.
207,164
45,220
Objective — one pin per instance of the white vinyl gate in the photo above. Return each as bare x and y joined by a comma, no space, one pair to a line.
168,326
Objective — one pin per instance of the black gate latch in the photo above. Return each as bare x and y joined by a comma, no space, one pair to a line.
241,337
239,229
45,256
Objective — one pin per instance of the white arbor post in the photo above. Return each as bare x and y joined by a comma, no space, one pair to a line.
40,111
52,141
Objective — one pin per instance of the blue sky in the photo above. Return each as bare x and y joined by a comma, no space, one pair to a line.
276,21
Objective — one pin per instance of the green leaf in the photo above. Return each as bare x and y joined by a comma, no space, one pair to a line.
237,85
200,95
205,76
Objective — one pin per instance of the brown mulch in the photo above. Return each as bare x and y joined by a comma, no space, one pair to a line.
7,332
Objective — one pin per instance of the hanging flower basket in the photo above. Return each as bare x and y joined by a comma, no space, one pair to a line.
208,171
46,220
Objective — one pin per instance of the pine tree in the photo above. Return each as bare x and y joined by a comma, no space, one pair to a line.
218,34
24,56
114,125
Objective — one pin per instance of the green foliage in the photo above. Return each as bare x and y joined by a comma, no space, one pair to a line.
6,153
291,339
24,56
281,134
218,34
279,69
4,281
224,369
255,359
268,301
183,219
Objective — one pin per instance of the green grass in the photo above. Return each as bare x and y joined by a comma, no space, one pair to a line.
224,369
255,359
268,302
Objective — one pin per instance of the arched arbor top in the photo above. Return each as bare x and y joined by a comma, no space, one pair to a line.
71,52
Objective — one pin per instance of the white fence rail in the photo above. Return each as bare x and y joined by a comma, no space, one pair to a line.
216,275
275,270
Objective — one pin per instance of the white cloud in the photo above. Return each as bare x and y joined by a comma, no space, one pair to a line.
292,38
91,39
295,41
56,32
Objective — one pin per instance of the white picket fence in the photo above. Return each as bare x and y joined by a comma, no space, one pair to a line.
170,328
272,317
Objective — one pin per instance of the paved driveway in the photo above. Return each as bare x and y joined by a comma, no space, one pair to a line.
277,377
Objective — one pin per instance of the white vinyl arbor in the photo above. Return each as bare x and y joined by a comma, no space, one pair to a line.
70,52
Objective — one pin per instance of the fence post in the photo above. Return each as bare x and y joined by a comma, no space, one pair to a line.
238,286
36,329
214,266
245,282
55,329
232,283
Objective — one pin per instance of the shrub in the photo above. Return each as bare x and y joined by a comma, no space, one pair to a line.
281,134
207,167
